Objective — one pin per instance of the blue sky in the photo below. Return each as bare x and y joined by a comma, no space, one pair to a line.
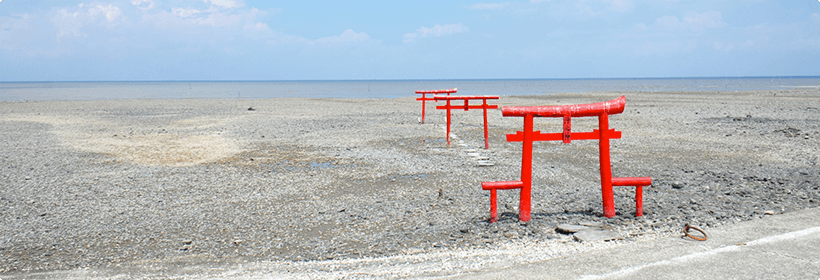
48,40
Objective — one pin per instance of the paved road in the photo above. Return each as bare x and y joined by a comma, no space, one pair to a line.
776,247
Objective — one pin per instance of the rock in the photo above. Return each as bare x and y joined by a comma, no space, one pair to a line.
677,185
567,228
768,212
596,235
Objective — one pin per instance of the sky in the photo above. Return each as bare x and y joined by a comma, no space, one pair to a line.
138,40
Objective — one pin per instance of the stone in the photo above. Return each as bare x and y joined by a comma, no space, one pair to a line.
484,163
768,212
567,228
677,185
596,235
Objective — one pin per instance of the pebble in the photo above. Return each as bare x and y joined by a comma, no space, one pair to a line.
768,212
677,185
270,202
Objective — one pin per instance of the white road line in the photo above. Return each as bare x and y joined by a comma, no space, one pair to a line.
698,255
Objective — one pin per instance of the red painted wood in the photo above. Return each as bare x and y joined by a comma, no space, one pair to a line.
452,90
632,181
502,185
612,107
466,106
424,97
603,134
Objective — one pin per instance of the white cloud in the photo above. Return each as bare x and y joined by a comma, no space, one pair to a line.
261,31
700,21
692,21
213,17
71,23
184,13
436,31
347,37
226,3
143,4
489,6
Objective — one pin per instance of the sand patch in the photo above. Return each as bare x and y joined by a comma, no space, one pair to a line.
178,143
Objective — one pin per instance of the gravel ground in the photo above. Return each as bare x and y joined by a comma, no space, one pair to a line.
358,187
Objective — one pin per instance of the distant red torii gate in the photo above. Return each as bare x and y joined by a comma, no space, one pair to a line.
466,106
602,110
424,97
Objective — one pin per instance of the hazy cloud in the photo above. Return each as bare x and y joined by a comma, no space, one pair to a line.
692,21
143,4
212,17
226,3
436,31
724,47
598,7
70,23
347,37
489,6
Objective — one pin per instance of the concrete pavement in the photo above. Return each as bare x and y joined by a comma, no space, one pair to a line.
775,247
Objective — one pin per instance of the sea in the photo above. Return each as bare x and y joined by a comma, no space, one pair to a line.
125,90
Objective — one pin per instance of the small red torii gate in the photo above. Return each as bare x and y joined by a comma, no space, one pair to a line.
602,110
424,97
466,106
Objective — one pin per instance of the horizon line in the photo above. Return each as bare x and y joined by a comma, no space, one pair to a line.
430,80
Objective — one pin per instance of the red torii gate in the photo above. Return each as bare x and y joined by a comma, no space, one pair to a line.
602,110
466,106
424,97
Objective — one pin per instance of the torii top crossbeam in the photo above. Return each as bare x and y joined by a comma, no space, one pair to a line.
612,107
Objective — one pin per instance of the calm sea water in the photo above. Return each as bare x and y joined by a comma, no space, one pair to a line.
31,91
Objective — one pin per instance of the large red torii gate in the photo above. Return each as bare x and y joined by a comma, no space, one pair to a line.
602,110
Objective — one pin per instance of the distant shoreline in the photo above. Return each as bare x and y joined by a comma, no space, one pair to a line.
252,90
425,80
